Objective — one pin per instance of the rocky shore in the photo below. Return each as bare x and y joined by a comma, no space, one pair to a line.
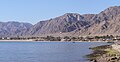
104,53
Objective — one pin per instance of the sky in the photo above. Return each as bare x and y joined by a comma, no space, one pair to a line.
33,11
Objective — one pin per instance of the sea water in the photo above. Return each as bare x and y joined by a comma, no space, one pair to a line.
46,51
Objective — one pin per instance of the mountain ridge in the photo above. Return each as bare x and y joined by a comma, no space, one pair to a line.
73,24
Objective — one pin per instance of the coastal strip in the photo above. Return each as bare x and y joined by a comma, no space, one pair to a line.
104,53
16,40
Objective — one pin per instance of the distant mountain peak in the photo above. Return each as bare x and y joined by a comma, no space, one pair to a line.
112,9
71,14
13,28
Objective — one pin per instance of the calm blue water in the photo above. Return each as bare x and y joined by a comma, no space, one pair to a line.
45,51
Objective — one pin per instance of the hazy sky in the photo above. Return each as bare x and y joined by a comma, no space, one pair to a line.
33,11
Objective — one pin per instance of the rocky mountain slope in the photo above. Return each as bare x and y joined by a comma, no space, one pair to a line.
67,23
13,28
106,22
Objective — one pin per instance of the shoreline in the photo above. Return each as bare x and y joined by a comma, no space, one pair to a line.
16,40
104,53
44,41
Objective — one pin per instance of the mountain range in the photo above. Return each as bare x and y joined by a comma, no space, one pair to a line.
106,22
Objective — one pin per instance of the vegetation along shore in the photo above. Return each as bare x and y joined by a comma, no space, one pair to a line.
104,53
